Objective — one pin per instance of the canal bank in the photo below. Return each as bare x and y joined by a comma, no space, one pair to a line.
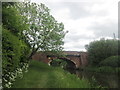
110,80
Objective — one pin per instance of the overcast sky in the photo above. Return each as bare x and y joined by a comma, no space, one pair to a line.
86,20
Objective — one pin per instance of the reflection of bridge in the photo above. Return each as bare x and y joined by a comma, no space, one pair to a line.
73,58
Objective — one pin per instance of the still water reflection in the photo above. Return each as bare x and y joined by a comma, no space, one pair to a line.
102,79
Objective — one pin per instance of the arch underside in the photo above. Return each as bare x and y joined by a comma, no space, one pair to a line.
70,64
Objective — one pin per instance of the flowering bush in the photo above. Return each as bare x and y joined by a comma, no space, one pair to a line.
0,84
10,77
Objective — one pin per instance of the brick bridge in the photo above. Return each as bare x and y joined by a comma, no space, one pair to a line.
75,59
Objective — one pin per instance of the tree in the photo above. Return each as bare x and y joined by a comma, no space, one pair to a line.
44,33
102,49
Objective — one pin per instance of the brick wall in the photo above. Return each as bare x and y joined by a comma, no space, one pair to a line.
39,56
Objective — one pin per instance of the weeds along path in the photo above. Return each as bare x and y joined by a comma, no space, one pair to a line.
40,75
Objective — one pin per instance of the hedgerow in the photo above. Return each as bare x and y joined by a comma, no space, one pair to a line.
14,55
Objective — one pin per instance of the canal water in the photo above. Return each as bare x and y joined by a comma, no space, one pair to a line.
101,79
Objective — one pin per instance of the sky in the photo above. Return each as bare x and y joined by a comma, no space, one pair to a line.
85,20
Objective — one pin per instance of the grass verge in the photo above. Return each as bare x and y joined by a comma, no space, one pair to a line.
41,75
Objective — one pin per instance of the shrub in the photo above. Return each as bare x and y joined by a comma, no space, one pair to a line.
101,49
14,44
11,47
106,69
14,54
113,61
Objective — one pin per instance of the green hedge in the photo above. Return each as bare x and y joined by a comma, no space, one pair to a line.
14,53
11,47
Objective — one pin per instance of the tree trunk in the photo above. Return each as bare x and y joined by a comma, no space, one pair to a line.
32,53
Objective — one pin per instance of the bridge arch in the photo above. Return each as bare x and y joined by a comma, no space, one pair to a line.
70,63
78,58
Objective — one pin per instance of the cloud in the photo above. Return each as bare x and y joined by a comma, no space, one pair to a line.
105,29
86,21
77,10
76,46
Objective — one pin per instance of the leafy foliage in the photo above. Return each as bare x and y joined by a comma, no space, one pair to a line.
10,77
102,49
14,54
14,48
11,50
113,61
106,69
44,33
12,20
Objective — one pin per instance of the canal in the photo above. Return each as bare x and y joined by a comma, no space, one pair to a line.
101,79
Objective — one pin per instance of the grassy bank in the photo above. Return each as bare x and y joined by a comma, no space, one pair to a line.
41,75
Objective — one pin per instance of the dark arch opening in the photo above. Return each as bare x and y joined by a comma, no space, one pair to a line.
70,64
